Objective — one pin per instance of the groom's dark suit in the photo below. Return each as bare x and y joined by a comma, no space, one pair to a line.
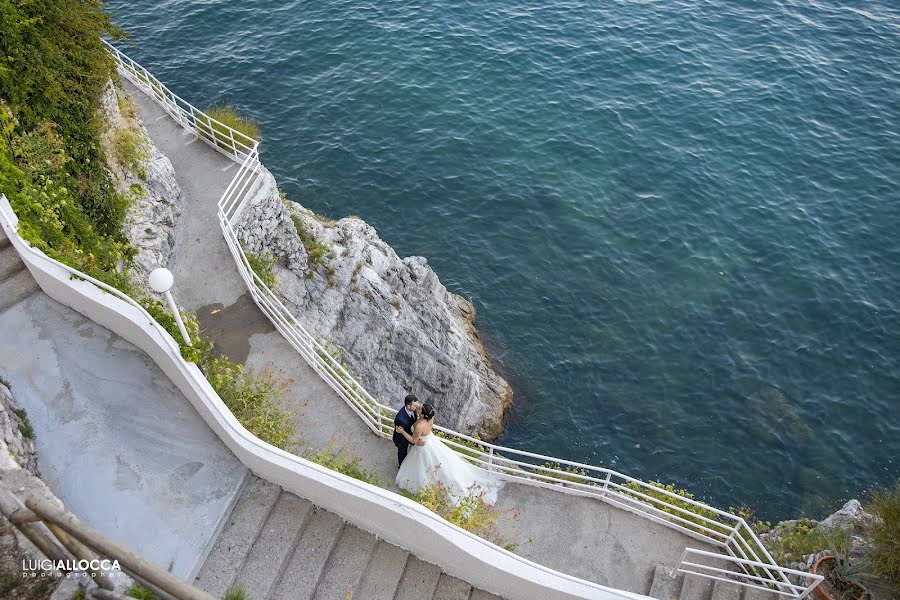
406,422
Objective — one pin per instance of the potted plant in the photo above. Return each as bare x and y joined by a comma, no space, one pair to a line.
843,577
846,577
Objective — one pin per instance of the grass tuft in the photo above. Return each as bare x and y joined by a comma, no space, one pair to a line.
236,592
471,512
229,115
884,532
316,249
25,427
263,267
140,592
342,461
130,150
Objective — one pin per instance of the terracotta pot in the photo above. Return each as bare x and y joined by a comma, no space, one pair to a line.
819,591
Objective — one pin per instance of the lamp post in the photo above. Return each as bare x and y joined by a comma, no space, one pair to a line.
161,281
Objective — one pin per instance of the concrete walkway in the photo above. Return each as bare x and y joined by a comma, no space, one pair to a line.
579,536
116,440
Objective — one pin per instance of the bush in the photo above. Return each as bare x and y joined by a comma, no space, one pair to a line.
140,592
250,397
53,67
342,461
263,267
791,542
883,530
236,592
669,504
130,151
25,427
471,512
228,115
315,248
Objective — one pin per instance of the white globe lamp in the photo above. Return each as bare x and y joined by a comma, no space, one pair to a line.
161,281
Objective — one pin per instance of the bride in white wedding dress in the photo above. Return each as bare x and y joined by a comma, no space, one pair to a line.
436,462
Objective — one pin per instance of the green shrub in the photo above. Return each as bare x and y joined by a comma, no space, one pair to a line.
228,115
25,427
140,592
251,397
791,542
130,150
263,267
883,530
53,67
669,504
342,461
236,592
471,512
316,249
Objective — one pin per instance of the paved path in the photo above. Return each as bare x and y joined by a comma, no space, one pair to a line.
116,440
575,535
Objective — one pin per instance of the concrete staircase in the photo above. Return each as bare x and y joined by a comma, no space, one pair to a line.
16,283
692,587
282,547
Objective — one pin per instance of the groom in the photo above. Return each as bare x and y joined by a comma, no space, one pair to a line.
405,418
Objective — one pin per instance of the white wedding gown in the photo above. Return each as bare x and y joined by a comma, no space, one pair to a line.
436,462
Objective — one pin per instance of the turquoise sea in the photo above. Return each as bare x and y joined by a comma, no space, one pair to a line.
679,221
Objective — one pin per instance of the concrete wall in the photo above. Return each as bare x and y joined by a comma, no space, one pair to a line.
392,517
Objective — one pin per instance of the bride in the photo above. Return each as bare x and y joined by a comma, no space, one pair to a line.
435,462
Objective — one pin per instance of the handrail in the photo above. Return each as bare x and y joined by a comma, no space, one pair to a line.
223,138
50,527
741,543
787,588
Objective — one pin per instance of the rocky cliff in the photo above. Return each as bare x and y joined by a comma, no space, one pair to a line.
398,328
146,176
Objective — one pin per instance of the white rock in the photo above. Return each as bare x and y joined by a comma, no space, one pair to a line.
401,329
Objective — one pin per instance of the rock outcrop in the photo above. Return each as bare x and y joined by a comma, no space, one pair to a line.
17,450
398,328
142,173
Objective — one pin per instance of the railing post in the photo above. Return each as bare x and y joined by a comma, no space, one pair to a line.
678,564
491,459
606,483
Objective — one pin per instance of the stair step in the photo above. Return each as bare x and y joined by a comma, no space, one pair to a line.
722,590
695,587
758,594
10,262
383,574
664,586
419,580
451,588
234,543
17,288
483,595
305,568
346,565
274,545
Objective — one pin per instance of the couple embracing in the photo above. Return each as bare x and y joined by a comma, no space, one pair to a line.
426,460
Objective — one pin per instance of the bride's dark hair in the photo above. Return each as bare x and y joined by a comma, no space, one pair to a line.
428,411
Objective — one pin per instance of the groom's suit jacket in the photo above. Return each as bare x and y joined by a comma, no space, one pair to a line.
406,422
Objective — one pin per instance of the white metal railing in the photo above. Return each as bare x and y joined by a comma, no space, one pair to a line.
224,139
746,577
724,530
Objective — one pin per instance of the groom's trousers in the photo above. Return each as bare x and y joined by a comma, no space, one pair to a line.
402,450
